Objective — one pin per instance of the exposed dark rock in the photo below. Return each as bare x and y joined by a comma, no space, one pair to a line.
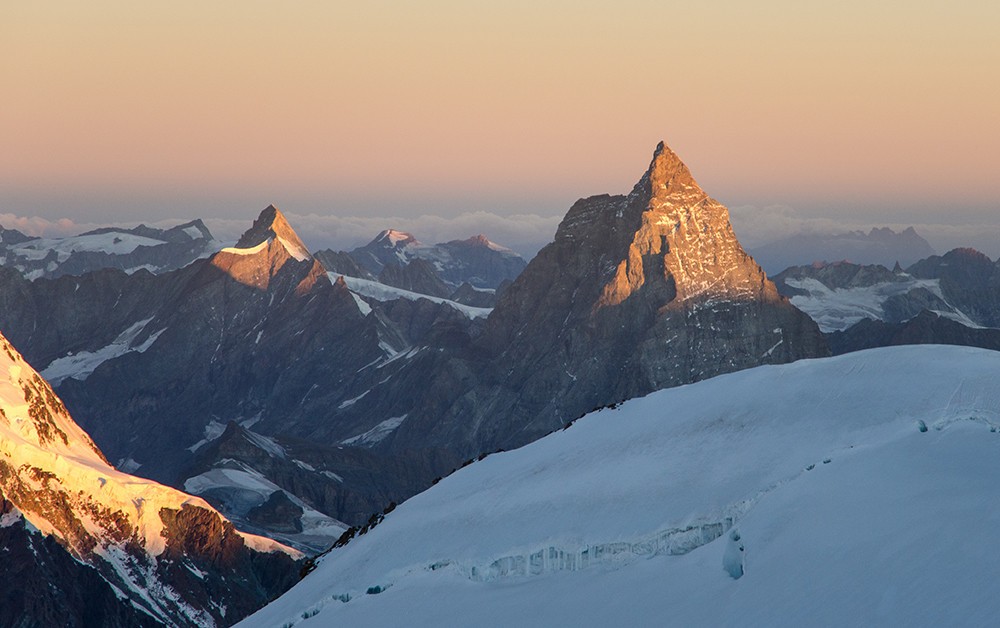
342,263
416,276
475,297
925,328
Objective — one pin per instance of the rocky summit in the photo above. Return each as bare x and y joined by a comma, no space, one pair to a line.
637,292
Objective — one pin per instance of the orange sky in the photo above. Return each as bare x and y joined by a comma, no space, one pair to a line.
332,106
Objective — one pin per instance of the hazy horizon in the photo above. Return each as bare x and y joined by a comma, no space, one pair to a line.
797,118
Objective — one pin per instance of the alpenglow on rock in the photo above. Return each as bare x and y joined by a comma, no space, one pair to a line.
636,293
86,544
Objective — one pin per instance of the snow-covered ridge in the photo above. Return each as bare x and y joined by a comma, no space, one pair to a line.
815,465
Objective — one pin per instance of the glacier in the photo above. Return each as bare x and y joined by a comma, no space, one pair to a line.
851,490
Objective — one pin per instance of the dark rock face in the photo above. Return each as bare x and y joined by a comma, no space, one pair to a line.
882,247
466,294
161,250
227,573
278,513
342,263
969,281
417,276
925,328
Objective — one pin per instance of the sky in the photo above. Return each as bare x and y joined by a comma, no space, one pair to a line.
438,116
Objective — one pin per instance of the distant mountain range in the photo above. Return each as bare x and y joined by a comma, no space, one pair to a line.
949,299
304,396
130,250
879,246
258,369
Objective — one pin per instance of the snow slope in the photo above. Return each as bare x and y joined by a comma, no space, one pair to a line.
854,490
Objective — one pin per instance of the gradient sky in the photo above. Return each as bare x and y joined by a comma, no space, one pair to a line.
853,111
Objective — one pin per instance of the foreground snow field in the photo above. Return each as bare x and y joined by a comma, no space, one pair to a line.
856,490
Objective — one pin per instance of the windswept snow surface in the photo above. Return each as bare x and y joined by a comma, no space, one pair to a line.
855,490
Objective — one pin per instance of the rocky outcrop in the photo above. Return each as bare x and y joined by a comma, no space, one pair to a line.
376,395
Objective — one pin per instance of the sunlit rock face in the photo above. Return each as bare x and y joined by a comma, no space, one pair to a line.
265,250
636,293
115,549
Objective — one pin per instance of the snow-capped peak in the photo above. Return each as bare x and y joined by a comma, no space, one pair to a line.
394,237
272,225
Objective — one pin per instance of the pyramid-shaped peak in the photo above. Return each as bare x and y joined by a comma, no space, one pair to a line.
272,224
666,172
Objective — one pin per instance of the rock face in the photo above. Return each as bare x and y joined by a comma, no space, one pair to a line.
925,328
417,276
115,549
139,249
969,280
636,293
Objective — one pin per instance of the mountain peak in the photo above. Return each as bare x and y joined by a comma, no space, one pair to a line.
272,224
394,237
666,172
